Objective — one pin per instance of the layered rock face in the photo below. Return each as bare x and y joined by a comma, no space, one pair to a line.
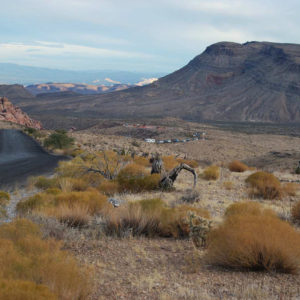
11,113
255,81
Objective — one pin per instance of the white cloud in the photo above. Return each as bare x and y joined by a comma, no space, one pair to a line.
43,48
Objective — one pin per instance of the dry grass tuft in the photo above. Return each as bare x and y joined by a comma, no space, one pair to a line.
228,185
24,290
291,188
237,166
151,217
4,198
48,271
248,208
211,173
296,212
255,242
265,185
134,178
76,215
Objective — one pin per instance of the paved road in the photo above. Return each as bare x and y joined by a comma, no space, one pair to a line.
21,156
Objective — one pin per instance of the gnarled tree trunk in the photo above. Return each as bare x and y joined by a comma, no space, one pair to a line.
168,180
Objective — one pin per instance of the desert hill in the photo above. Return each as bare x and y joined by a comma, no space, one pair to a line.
255,81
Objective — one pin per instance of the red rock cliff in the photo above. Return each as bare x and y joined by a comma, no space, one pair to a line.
11,113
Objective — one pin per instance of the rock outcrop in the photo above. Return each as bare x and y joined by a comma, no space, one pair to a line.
11,113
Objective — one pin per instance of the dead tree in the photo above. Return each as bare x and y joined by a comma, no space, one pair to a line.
168,180
157,164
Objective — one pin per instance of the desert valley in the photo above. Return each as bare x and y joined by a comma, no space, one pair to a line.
149,184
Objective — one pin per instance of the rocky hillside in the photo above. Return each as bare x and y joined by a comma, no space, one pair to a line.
11,113
255,81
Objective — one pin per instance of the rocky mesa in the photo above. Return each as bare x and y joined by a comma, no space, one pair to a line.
11,113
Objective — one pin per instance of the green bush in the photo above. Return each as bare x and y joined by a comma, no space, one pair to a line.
59,140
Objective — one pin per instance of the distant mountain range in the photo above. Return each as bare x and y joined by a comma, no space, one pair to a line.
80,88
253,82
25,75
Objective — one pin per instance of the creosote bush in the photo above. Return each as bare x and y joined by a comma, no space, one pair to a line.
252,238
33,268
59,140
237,166
151,217
265,185
211,173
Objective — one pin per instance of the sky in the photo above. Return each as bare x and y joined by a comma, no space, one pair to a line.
136,35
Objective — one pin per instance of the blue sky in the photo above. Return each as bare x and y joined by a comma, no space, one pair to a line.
135,35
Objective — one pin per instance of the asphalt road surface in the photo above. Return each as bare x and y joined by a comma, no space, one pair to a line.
21,157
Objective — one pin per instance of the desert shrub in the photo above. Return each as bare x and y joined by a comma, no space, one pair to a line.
143,161
190,196
211,173
4,198
170,162
53,191
25,256
35,133
76,215
109,187
255,242
24,290
134,178
248,208
34,202
264,185
151,217
67,184
44,183
228,185
237,166
58,140
189,162
296,212
92,199
109,163
74,168
290,188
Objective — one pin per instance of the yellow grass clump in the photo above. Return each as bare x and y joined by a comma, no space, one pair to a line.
211,173
33,268
265,185
248,208
109,187
4,198
254,241
228,185
72,208
151,217
291,188
237,166
134,178
170,162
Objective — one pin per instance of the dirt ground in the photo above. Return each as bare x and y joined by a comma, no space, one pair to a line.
144,268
